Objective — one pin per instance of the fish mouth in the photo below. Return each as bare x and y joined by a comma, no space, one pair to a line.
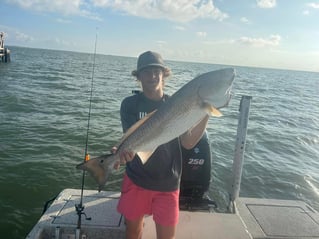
230,96
216,87
228,92
225,99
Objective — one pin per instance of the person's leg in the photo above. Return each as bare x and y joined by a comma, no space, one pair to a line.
134,203
166,213
165,232
134,228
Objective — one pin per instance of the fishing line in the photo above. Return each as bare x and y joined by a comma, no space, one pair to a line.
79,207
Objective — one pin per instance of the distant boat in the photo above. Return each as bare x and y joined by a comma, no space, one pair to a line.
247,217
4,52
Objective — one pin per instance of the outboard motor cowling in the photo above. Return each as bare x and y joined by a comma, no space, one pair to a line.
196,172
196,176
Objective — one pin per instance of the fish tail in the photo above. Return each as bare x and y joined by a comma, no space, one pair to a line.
100,168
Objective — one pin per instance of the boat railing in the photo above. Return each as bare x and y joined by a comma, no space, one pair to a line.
239,150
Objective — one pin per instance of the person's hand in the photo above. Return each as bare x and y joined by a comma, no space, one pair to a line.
117,163
125,156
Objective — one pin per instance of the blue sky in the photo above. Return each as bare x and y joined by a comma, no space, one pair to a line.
263,33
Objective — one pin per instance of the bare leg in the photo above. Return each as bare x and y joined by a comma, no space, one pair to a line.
165,232
134,228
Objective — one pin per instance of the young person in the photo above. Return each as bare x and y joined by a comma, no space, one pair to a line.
152,188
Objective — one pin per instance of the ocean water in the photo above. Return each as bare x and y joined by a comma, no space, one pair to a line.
44,104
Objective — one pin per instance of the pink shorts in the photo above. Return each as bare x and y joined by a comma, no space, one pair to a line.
136,202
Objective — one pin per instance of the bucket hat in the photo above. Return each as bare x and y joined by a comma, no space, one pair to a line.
147,59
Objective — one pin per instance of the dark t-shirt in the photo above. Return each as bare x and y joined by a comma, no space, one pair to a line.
162,171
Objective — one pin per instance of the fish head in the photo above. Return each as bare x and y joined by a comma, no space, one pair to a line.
215,87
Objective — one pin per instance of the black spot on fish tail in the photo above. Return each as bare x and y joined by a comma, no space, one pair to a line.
80,166
105,157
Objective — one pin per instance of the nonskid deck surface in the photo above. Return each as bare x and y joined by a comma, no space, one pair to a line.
270,218
255,218
60,220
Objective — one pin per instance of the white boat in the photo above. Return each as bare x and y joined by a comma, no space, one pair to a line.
4,52
247,218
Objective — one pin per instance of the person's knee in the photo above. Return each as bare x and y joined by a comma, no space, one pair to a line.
165,232
134,228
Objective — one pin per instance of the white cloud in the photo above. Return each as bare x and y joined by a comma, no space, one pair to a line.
14,35
65,7
174,10
273,40
161,42
266,3
22,37
310,7
60,42
305,12
313,5
244,20
180,28
60,20
201,34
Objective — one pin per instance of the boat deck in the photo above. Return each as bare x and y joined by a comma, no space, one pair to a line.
254,218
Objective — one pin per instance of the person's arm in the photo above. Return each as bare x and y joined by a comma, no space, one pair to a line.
190,138
128,118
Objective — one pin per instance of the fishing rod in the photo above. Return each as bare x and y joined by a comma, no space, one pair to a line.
80,207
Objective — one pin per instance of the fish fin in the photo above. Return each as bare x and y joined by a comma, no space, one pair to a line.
135,127
211,110
215,112
144,156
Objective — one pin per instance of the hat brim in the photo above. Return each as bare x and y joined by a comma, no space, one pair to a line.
135,72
